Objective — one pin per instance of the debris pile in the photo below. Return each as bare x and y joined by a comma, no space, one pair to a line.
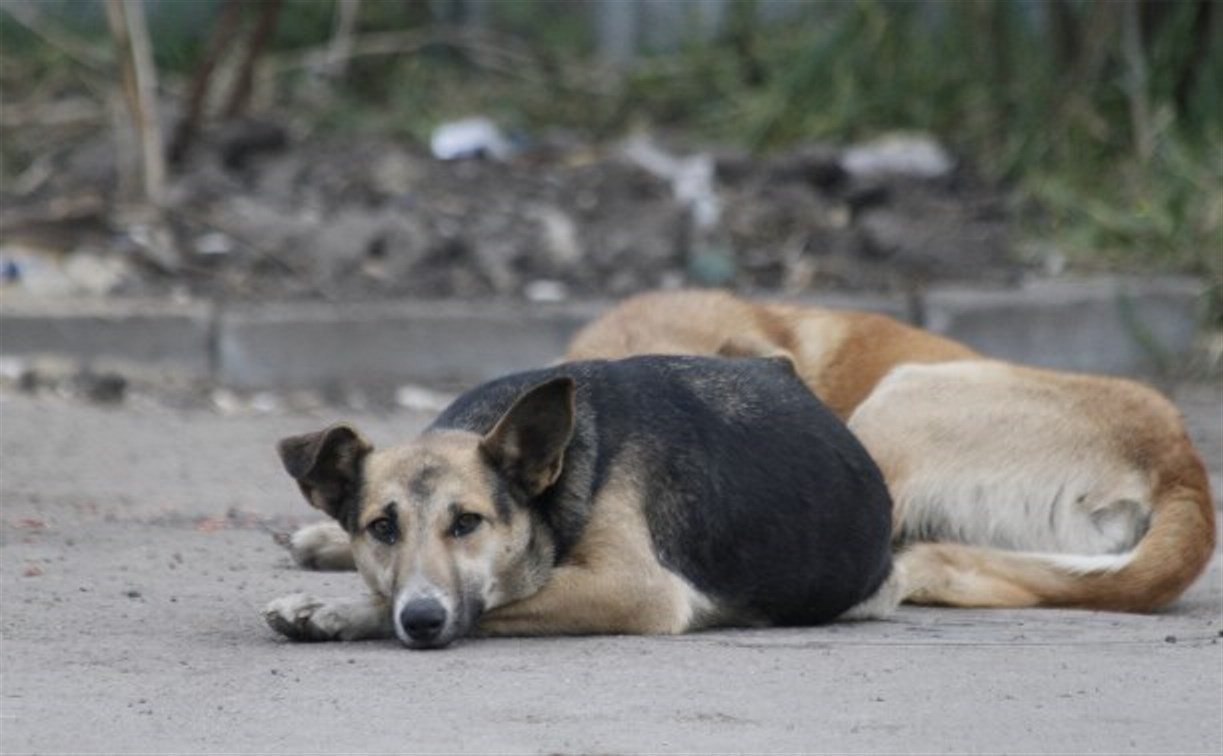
258,214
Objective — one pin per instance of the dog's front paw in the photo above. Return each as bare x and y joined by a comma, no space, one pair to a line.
322,546
304,618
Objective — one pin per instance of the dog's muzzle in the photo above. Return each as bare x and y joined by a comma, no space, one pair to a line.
423,622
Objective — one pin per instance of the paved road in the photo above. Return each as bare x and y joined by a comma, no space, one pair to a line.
136,557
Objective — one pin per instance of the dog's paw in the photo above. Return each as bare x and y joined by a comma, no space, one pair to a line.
322,546
883,602
304,618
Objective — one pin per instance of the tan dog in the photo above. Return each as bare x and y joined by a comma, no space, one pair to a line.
1013,486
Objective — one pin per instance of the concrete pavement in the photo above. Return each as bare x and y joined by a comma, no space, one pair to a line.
135,556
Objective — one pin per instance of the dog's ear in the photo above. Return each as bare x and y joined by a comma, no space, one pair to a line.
757,348
327,468
749,345
528,443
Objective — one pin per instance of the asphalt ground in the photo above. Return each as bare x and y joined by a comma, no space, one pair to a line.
136,554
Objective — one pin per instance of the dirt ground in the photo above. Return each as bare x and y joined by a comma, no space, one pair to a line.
136,555
260,213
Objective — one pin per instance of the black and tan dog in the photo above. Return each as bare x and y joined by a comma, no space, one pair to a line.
648,495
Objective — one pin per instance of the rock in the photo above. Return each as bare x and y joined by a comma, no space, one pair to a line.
912,155
101,388
559,235
545,290
470,138
213,243
240,141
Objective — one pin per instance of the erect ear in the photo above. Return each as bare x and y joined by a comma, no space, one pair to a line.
327,468
528,443
756,347
751,345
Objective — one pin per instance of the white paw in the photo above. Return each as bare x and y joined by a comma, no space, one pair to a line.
321,546
883,602
305,618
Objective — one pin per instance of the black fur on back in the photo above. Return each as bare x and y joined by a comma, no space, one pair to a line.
753,491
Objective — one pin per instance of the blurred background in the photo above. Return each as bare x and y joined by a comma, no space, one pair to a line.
563,149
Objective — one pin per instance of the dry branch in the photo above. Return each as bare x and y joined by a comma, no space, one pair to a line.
220,37
339,50
269,11
1137,92
139,82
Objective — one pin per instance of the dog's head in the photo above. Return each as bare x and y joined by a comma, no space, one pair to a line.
443,527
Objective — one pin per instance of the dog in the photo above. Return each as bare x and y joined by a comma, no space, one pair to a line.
652,495
1013,486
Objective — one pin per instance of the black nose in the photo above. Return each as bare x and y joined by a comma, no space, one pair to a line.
423,620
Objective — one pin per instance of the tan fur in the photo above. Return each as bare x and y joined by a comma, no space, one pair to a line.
967,445
323,546
424,552
612,582
840,355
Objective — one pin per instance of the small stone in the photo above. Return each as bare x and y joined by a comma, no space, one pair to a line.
103,388
546,290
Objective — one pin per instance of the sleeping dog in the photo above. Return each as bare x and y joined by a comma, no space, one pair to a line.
648,495
1013,486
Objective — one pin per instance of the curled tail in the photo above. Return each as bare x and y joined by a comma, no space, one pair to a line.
1174,551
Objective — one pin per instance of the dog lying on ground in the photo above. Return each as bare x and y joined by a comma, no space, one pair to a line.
649,495
1013,486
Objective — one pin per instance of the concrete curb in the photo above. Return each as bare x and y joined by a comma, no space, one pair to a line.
125,335
1106,324
312,345
1100,325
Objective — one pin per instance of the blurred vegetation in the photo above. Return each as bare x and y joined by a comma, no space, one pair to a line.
1110,135
1043,105
1046,105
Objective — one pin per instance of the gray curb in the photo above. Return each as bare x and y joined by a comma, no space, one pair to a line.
1107,324
1099,325
312,345
168,337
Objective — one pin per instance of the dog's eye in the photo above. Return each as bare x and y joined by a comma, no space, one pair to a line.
384,530
465,523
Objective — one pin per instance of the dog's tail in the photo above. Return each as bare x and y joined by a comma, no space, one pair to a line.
1174,551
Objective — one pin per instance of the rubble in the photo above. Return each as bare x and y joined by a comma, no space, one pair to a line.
355,219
